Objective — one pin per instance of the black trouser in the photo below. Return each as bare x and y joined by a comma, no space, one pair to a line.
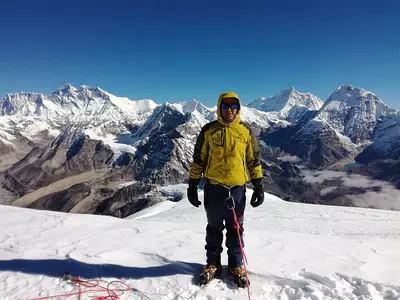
217,214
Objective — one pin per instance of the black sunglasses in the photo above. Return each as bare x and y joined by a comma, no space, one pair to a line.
231,106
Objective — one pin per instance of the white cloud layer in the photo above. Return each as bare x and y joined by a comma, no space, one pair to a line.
290,158
386,196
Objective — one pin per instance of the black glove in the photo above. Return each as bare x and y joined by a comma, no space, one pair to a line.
192,192
258,194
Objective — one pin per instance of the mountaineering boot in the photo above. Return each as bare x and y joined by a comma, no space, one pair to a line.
239,274
209,273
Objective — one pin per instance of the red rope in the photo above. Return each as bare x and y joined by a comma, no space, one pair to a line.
93,287
237,226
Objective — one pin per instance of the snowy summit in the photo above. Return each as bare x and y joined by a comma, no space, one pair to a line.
289,103
353,112
294,251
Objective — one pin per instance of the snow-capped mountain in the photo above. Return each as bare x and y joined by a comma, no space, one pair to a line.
289,103
105,152
97,132
87,106
94,111
121,123
261,119
354,112
351,117
199,115
71,104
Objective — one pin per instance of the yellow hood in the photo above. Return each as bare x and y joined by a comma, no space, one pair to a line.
224,96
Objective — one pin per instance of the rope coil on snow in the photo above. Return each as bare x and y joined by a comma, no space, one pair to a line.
92,286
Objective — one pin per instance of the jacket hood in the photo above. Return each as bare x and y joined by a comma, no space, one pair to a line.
224,96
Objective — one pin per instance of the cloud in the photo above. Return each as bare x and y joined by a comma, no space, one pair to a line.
388,198
328,190
290,158
379,194
355,180
320,176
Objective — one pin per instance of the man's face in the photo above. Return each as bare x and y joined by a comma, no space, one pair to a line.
229,108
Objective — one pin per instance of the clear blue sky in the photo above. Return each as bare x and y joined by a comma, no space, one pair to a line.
178,50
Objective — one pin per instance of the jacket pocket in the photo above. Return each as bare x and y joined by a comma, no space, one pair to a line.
208,163
218,138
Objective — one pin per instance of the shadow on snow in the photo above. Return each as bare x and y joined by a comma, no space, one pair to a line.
59,267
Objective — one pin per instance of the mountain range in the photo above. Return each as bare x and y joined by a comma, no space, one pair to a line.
86,150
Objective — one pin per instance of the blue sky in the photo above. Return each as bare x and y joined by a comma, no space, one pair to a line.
178,50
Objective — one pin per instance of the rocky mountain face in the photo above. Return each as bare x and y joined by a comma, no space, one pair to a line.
353,132
385,140
314,142
349,121
353,112
40,118
85,150
86,167
84,103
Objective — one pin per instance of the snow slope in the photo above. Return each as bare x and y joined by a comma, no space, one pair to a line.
294,250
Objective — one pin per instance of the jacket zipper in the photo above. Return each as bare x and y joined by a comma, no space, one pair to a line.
245,169
208,164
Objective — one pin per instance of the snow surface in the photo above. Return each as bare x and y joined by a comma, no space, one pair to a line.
294,250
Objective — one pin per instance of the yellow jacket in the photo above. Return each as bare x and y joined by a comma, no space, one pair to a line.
226,153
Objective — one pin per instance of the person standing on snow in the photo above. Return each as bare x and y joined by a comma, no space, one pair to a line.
226,154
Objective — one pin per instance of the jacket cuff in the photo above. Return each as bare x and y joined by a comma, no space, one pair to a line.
193,182
257,182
